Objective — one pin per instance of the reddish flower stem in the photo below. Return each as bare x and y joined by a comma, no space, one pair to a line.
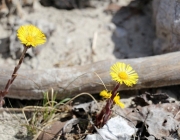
13,77
105,113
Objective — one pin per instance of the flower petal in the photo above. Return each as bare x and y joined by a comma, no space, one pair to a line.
129,80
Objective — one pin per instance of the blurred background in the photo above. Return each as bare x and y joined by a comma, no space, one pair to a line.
78,31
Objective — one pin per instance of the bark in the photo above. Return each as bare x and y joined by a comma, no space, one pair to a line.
155,71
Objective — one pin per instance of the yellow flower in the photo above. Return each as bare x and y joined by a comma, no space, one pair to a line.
105,94
116,99
118,102
31,36
123,73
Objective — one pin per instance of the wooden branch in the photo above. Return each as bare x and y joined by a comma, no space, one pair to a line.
156,71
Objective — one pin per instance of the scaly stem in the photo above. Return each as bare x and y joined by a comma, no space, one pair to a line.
13,77
105,113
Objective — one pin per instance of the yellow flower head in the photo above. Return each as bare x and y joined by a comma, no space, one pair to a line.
31,36
118,102
105,94
123,73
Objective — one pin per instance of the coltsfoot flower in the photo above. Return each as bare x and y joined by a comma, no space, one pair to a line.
122,73
107,94
118,102
31,36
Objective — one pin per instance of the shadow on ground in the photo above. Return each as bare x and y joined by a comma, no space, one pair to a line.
134,33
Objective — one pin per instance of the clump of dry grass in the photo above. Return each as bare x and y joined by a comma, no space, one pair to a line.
43,116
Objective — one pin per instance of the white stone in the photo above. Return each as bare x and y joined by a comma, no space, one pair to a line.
116,128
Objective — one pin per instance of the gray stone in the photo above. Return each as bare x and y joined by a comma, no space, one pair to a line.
120,32
167,21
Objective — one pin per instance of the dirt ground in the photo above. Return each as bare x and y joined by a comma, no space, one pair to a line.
80,36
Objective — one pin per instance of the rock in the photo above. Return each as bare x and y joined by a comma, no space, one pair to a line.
120,32
116,128
167,22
